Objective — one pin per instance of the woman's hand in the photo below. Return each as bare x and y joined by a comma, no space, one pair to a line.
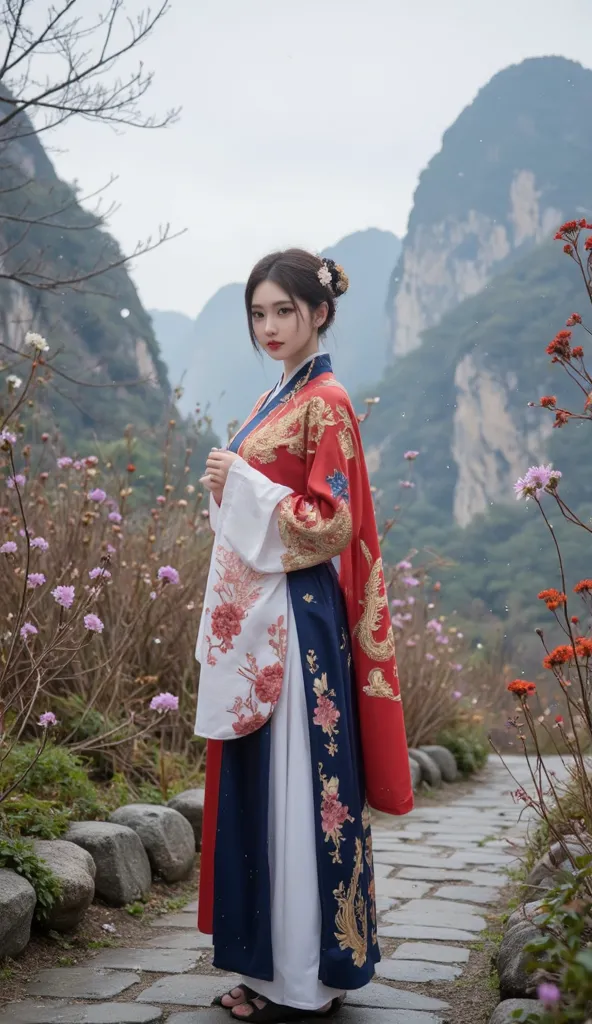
218,464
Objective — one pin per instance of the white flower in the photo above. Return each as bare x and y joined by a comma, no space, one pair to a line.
13,381
324,276
36,341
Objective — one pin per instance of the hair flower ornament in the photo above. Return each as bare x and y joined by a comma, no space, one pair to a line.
333,277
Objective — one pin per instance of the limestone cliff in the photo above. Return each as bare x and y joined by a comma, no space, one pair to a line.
509,170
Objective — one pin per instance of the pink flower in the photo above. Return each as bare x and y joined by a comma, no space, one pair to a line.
77,464
247,724
268,684
8,548
456,667
64,596
430,657
97,495
164,702
548,994
7,437
406,484
410,456
161,499
404,565
153,595
442,639
115,517
397,603
411,643
40,542
47,718
27,630
411,600
35,579
457,694
14,481
326,714
537,478
434,626
167,574
64,462
91,460
111,549
99,572
333,813
94,623
410,581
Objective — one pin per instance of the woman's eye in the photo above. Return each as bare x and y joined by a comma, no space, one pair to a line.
286,309
256,315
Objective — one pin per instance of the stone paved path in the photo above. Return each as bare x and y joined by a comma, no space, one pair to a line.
437,870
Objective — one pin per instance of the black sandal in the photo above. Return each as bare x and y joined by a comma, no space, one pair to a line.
273,1013
247,992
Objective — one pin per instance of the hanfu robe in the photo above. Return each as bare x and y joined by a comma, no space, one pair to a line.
299,699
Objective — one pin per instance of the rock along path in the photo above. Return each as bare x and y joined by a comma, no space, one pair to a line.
437,871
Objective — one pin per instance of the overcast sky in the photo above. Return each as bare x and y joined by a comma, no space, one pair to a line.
302,122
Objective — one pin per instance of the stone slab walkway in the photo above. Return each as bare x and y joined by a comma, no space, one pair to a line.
438,869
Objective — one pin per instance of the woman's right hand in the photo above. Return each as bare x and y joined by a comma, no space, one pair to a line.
216,492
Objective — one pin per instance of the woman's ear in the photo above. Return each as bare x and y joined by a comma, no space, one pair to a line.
320,315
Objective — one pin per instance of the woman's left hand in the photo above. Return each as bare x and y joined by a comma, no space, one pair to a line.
218,464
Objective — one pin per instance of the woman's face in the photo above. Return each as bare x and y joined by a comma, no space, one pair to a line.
286,331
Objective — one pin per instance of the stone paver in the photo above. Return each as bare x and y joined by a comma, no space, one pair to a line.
80,983
437,872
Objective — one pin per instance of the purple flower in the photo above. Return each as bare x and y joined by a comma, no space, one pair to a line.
8,548
7,437
97,495
404,565
410,456
456,667
430,657
167,574
410,581
434,626
63,596
64,462
115,517
407,617
537,478
40,542
99,572
153,595
78,464
406,484
411,600
47,718
411,643
397,603
164,702
442,639
111,549
94,623
548,994
457,694
13,481
35,579
27,630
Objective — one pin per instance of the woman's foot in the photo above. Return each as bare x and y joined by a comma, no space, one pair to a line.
238,996
256,1007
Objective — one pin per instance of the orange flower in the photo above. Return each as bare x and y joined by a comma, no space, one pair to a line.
131,468
560,346
568,249
559,719
548,401
565,229
561,418
521,687
575,619
552,598
584,647
582,586
560,656
588,242
577,352
575,318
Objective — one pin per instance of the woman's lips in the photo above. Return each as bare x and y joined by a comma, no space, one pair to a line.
274,345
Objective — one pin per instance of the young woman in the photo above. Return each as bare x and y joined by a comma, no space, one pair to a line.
298,696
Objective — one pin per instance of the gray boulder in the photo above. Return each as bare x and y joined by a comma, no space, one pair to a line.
76,870
526,913
17,905
190,804
542,875
123,869
166,836
415,774
430,772
503,1013
445,760
514,979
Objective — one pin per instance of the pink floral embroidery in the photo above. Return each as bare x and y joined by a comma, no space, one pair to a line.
238,590
265,684
334,814
326,715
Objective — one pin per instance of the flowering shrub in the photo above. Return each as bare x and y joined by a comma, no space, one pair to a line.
99,603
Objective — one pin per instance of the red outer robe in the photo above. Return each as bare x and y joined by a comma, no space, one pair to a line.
303,444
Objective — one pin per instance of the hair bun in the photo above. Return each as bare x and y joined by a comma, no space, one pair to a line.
333,276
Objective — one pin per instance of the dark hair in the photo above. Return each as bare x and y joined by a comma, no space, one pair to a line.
297,272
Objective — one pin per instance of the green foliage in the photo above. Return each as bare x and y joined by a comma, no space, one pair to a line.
19,855
469,746
58,776
26,815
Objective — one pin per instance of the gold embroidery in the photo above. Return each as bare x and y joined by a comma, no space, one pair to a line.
287,430
369,858
310,539
366,552
351,921
375,604
313,665
334,814
345,436
308,598
379,687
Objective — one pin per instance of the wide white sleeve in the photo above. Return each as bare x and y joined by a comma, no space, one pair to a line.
248,517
